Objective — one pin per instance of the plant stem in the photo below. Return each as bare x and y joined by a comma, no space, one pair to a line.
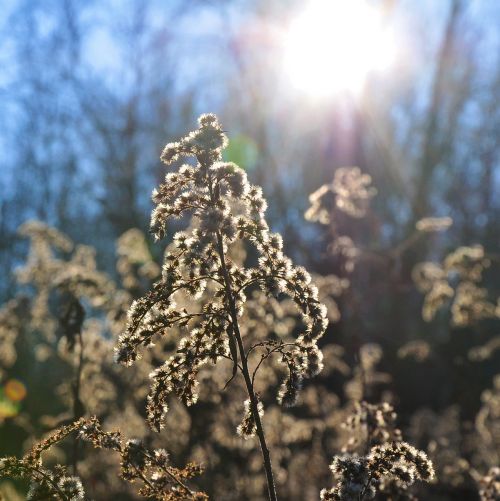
214,194
246,373
171,475
51,482
77,404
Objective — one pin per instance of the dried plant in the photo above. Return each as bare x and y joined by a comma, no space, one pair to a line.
386,467
160,480
228,324
490,485
227,209
105,386
350,192
389,465
371,424
457,280
55,484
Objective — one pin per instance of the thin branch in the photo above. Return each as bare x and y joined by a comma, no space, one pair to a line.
244,366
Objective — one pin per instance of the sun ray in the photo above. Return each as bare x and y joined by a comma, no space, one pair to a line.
332,45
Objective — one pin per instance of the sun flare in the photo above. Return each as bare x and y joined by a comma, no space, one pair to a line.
332,45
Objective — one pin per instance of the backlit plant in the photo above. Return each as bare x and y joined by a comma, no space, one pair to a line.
225,209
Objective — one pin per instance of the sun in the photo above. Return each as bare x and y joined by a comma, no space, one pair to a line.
332,45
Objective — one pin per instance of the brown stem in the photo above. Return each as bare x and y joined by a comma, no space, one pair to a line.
246,374
265,356
171,475
77,404
51,482
365,487
243,356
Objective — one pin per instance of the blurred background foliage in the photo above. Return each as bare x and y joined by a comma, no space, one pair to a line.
91,91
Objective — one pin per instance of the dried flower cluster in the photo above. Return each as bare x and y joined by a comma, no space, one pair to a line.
389,466
433,224
457,280
56,484
208,191
490,485
417,350
350,192
160,481
371,424
10,327
225,208
359,478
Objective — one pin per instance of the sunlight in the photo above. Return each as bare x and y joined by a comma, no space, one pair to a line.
332,45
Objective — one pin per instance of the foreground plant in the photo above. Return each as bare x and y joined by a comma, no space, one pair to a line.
389,466
225,209
489,485
55,484
160,480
